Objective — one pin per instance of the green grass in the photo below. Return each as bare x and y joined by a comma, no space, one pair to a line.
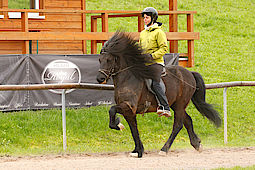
19,4
225,52
40,132
237,168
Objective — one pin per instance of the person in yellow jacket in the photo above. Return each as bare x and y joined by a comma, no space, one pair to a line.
153,41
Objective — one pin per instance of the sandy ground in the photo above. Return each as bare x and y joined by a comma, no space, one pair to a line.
176,159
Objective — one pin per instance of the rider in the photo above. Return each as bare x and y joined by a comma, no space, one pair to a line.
154,42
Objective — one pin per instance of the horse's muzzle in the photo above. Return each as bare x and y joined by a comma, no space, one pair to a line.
101,79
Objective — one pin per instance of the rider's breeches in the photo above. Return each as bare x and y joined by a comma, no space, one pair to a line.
156,87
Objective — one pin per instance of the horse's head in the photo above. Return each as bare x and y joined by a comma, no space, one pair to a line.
120,53
108,64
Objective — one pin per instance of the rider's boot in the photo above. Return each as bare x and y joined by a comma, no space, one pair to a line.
163,109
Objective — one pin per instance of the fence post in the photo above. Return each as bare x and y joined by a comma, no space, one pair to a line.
225,115
64,119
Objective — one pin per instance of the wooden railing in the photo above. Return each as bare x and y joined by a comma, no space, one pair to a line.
100,37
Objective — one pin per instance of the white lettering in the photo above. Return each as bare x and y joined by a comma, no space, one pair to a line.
57,104
60,76
41,104
104,102
74,104
4,106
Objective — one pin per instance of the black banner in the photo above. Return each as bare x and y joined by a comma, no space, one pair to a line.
47,69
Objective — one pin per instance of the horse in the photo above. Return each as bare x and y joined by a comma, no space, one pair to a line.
123,60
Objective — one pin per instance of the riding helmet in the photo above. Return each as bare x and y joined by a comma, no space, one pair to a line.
150,11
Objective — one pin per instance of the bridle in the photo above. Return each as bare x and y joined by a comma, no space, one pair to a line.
108,74
111,72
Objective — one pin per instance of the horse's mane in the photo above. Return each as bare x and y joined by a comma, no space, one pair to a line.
122,45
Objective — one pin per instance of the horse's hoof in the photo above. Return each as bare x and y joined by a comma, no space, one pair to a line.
134,155
121,126
162,153
200,149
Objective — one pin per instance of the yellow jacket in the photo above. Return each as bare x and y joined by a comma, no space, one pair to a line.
153,41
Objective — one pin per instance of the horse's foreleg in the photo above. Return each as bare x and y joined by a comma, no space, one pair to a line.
114,122
177,126
138,151
194,140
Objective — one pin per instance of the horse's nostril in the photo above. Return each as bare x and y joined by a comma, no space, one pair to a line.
100,80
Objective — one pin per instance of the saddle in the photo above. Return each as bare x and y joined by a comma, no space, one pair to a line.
148,83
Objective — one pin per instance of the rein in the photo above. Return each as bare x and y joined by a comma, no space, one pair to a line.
182,80
111,72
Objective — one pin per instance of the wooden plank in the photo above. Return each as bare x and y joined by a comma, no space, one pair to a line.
43,45
191,53
105,25
183,63
118,15
54,24
63,41
57,45
173,25
11,24
93,11
84,43
65,30
59,36
93,29
183,54
190,28
4,5
24,28
66,8
60,52
25,47
14,51
63,4
24,21
42,4
62,17
18,30
11,45
140,23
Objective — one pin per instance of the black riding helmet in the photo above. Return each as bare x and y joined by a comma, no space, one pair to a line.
150,11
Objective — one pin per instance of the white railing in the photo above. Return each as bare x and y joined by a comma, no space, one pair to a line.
225,85
111,87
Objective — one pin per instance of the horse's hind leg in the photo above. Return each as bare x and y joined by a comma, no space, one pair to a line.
194,140
177,126
114,122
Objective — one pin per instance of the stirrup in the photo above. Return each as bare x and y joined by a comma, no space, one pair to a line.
162,112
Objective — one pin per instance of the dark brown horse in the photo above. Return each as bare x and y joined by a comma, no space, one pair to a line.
123,60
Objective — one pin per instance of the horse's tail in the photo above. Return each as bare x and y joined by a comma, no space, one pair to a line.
198,100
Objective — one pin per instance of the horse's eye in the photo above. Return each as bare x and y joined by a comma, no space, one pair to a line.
99,60
109,60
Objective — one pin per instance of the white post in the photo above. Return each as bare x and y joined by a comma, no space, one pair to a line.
225,115
64,119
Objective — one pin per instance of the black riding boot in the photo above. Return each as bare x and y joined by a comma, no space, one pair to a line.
156,87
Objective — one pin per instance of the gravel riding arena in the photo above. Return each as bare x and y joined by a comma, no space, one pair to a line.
176,159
